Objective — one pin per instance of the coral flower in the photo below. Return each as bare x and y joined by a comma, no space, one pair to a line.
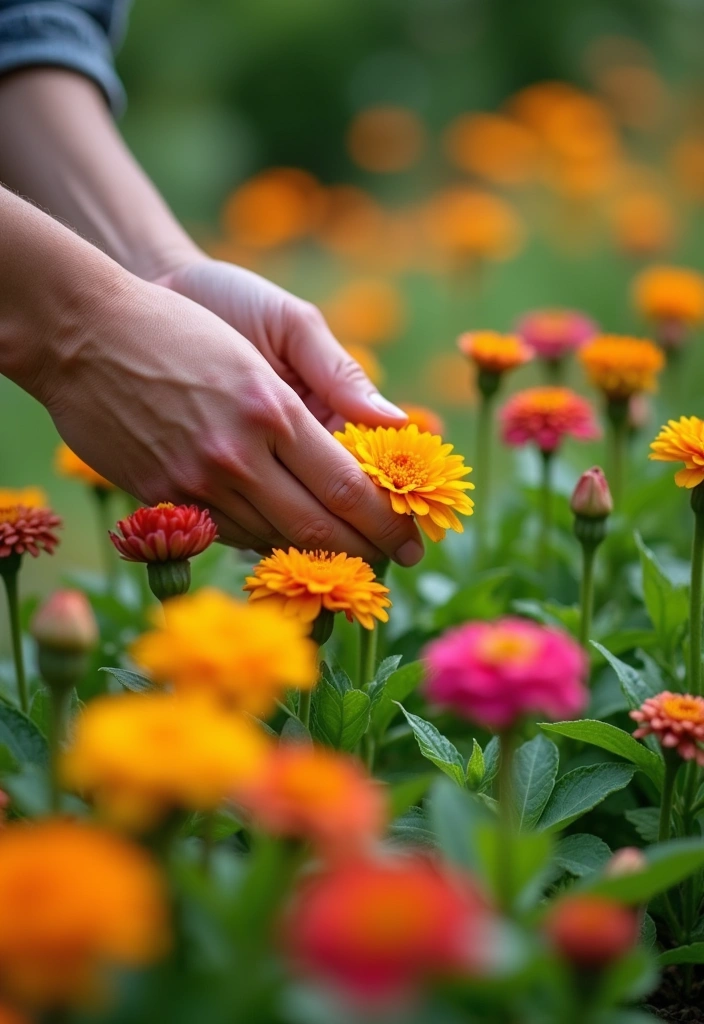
244,654
682,441
142,756
493,352
74,900
422,477
427,421
672,298
545,416
495,673
555,333
621,366
26,524
303,583
312,793
676,720
164,533
591,931
67,463
378,929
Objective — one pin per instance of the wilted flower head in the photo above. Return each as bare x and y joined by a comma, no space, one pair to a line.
427,421
164,533
591,497
591,931
26,524
65,621
493,352
496,673
555,333
672,298
676,720
68,464
545,416
621,366
682,440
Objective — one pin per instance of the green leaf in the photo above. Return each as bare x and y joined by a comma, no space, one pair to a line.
436,748
479,600
130,680
294,731
646,822
533,771
667,602
634,687
582,854
336,677
582,789
530,854
616,741
21,736
386,668
403,795
549,613
693,954
222,825
491,763
412,829
455,815
668,864
475,766
340,720
399,685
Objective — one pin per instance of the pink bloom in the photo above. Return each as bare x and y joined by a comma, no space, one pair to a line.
545,416
495,673
591,497
554,333
677,720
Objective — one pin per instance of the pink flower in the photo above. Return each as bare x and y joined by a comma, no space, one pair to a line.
591,497
545,416
495,673
554,333
677,720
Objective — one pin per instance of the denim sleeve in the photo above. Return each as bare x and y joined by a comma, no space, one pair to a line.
80,35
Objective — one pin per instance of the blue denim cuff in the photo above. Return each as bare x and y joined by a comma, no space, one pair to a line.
49,33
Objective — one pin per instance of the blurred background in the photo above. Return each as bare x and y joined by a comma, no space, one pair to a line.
417,168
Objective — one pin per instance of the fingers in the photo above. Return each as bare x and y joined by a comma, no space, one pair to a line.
241,525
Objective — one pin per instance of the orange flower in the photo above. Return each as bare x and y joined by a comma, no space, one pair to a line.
493,352
676,720
164,533
682,441
303,583
67,463
592,931
672,298
687,159
385,139
366,311
312,793
621,366
492,146
469,224
422,477
643,223
427,421
274,207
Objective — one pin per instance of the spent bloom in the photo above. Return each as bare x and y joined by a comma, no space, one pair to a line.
75,900
246,655
377,929
427,421
591,931
421,475
495,673
65,622
682,441
68,464
621,366
164,533
26,523
677,722
303,583
493,352
671,298
555,333
544,416
140,757
307,792
591,497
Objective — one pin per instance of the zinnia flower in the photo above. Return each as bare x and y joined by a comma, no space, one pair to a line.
545,416
493,352
591,931
495,673
676,720
244,654
26,524
422,477
621,366
75,900
140,757
309,792
468,224
427,421
378,929
164,533
65,622
68,464
672,298
303,583
554,333
591,498
682,441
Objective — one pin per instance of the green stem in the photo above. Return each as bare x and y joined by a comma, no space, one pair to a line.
60,698
545,509
587,593
366,664
304,701
208,841
555,371
672,766
695,608
617,413
505,872
13,606
105,524
482,474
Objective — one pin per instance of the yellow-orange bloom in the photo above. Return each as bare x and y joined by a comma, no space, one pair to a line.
304,583
141,756
366,311
27,497
427,421
67,463
492,146
472,225
621,366
670,296
274,207
244,654
493,352
418,471
682,441
644,222
75,900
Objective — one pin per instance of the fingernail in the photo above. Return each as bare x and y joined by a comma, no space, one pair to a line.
388,408
409,553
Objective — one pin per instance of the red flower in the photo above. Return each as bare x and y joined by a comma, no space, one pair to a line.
591,931
164,533
25,529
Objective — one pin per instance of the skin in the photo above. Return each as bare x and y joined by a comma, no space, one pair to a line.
178,377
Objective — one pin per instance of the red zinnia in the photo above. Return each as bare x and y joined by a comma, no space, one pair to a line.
26,525
545,416
164,533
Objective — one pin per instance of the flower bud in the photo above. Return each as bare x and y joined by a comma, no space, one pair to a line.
65,622
592,932
626,861
591,497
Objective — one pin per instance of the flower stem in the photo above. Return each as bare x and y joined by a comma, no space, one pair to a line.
505,873
60,698
483,462
617,413
10,579
545,508
587,593
304,701
695,607
672,766
102,505
366,664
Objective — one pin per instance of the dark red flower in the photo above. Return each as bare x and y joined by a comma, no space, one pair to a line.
164,533
23,529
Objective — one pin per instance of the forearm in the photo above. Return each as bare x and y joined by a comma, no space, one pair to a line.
62,150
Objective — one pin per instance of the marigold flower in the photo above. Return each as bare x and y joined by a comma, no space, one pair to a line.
309,792
621,366
469,224
244,654
492,146
554,333
141,756
26,524
545,416
643,222
303,583
676,720
495,673
379,929
591,931
422,477
164,533
672,298
493,352
682,441
74,899
427,421
274,207
67,463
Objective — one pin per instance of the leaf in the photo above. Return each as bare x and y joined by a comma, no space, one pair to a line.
613,739
530,854
533,771
21,736
455,816
386,668
340,720
412,829
667,602
632,683
479,600
550,613
582,789
436,748
399,685
403,795
667,864
582,854
646,822
294,731
491,763
336,677
475,766
692,954
130,680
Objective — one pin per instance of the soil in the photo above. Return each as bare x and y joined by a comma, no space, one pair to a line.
667,1003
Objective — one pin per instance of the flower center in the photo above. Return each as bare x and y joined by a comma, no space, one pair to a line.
501,647
9,515
405,470
165,504
684,709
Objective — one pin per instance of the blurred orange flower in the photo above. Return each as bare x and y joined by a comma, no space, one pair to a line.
365,311
492,352
468,224
67,463
385,139
643,223
493,147
687,161
425,419
352,223
276,206
621,366
670,297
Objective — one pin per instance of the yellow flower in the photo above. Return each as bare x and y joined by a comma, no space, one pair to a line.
247,655
670,295
67,463
141,756
422,477
621,366
682,441
494,352
74,899
27,497
303,583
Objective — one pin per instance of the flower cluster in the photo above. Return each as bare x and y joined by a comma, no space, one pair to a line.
545,416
